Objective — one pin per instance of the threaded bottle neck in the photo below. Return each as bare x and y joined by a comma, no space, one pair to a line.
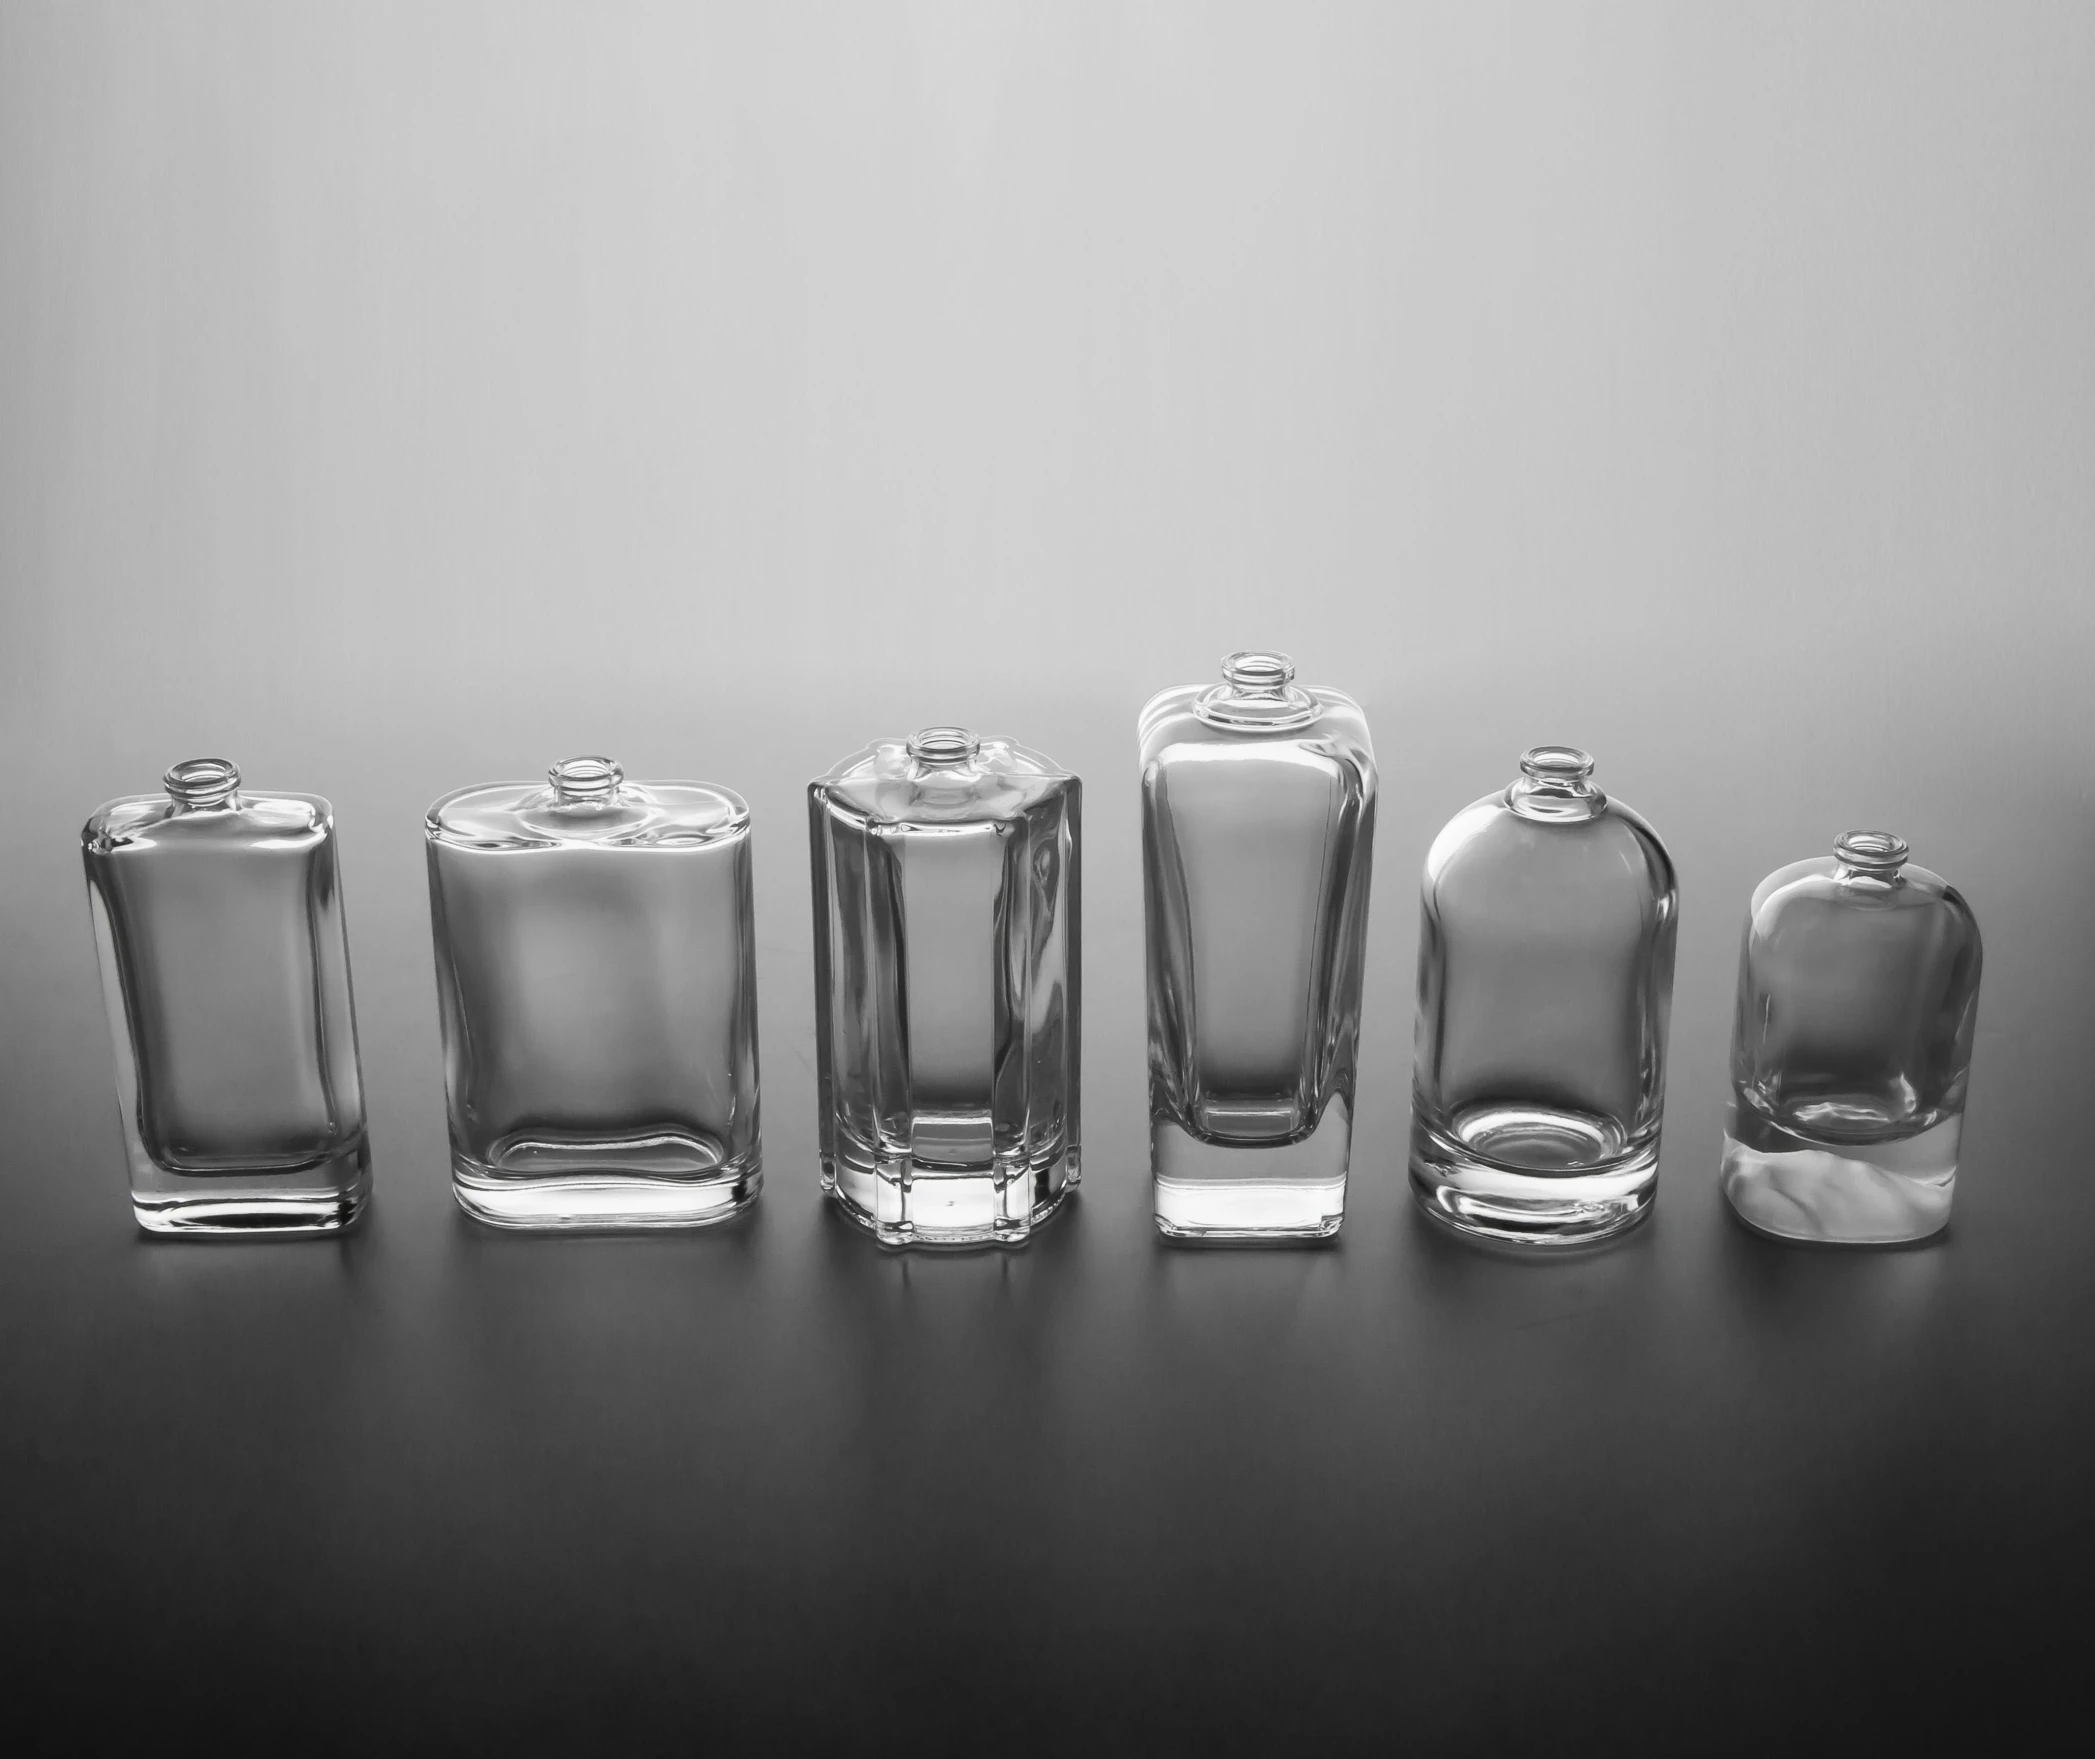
202,782
1259,673
943,748
583,780
1871,855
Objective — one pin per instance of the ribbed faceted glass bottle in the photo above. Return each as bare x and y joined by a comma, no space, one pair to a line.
1545,981
946,986
1851,1052
596,981
225,965
1258,827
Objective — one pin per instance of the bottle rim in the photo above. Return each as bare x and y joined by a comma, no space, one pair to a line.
1878,854
202,781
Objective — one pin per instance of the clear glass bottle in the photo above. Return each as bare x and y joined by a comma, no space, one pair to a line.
1851,1051
596,980
1258,827
225,965
946,986
1545,980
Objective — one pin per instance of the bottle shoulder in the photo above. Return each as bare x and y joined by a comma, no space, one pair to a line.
883,785
1171,729
252,820
531,815
1488,835
1816,899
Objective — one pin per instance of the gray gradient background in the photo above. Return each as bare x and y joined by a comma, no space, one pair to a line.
394,397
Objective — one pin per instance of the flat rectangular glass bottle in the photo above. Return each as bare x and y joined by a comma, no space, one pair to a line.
946,987
596,981
1258,830
1851,1051
225,965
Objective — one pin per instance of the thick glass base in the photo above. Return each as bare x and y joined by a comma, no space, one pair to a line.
1533,1176
1250,1192
1796,1187
324,1197
905,1202
665,1180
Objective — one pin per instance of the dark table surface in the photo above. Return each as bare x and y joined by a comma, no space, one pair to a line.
436,1484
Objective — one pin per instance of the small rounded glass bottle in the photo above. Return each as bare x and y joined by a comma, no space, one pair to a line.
1858,993
1545,980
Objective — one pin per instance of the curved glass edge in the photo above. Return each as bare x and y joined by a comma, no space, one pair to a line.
1172,717
530,815
1817,876
1475,818
882,783
129,819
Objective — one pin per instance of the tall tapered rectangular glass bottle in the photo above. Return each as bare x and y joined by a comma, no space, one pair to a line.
1258,828
947,963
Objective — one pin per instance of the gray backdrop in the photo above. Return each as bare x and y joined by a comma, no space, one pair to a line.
397,397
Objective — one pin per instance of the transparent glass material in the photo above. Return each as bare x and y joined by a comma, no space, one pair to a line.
1258,825
596,979
946,987
1858,995
1545,980
225,965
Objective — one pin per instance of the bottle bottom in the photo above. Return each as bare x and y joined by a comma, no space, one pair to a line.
659,1179
321,1197
1250,1192
1797,1187
1532,1175
904,1201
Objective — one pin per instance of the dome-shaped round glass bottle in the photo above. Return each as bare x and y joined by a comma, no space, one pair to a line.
1858,995
1548,914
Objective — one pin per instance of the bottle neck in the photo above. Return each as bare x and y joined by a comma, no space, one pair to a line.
1870,859
1556,784
943,748
586,781
1257,694
203,784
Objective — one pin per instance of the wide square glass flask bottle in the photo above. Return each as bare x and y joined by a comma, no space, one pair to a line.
596,983
225,965
1851,1048
946,987
1545,981
1258,826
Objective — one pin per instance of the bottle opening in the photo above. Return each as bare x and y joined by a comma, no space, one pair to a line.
586,778
943,747
1257,695
202,781
1264,672
1878,853
1564,765
1556,782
